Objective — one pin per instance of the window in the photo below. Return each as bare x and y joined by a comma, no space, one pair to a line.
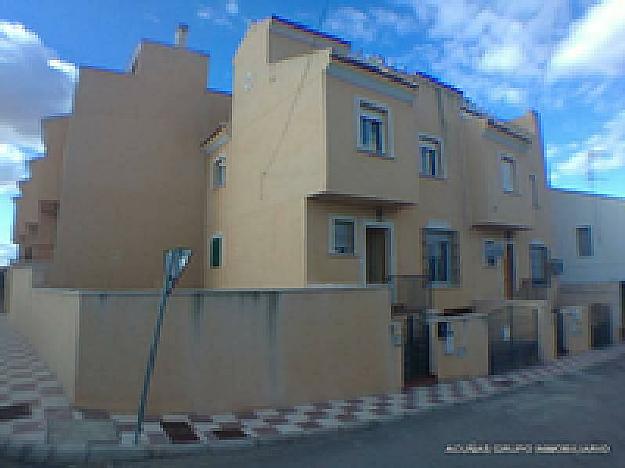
373,128
508,174
584,241
534,191
431,157
490,253
441,259
219,172
342,236
216,247
539,258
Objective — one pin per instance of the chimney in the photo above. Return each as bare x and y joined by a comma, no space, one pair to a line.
182,31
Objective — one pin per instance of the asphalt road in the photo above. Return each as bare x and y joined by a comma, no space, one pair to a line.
577,409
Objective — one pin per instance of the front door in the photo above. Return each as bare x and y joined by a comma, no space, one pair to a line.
508,271
377,255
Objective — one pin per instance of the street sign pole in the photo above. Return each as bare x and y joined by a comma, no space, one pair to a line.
174,263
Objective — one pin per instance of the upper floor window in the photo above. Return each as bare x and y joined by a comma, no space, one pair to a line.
584,241
534,191
219,172
373,128
342,236
431,156
508,174
216,251
441,257
539,258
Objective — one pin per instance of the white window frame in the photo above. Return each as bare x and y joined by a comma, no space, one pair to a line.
222,160
592,243
388,149
436,143
332,236
217,235
485,263
505,158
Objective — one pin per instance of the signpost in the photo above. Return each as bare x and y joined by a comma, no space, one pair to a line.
174,263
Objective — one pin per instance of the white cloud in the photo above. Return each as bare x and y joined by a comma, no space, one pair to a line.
34,82
224,14
595,43
508,95
603,152
370,25
506,58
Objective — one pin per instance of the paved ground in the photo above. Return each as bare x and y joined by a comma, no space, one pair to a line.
579,408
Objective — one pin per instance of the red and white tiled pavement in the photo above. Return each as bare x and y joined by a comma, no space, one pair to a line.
24,378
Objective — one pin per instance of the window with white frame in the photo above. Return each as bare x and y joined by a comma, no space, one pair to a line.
441,257
216,251
219,172
539,258
373,128
431,156
508,174
584,241
342,234
490,253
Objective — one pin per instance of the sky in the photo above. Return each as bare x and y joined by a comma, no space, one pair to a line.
562,58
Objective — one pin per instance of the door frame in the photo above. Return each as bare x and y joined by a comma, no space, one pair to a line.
390,247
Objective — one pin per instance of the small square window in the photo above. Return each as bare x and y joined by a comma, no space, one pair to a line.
584,241
342,236
490,253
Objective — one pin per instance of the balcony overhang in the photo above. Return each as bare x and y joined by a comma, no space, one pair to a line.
366,200
500,226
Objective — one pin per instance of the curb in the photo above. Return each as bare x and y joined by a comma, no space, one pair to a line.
484,387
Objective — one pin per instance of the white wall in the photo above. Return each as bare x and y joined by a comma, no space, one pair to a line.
607,218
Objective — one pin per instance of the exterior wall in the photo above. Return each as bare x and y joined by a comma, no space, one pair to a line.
50,320
587,293
219,351
275,157
606,216
133,175
469,356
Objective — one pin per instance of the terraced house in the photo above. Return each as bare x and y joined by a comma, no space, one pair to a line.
337,172
321,180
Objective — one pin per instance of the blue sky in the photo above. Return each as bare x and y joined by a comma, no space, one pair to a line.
564,58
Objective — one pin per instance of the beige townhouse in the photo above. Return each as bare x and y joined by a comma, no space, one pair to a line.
334,171
123,178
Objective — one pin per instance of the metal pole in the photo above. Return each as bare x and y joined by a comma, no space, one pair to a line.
154,347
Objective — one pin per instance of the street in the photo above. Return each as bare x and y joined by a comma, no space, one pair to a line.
578,408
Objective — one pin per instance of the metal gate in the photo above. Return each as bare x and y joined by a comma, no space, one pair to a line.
600,325
512,338
411,300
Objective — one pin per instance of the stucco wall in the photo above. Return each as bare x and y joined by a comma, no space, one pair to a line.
229,350
49,319
576,327
468,357
606,216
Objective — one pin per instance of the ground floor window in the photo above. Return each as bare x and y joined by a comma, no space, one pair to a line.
441,256
342,236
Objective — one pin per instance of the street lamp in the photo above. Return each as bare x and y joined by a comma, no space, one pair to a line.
175,262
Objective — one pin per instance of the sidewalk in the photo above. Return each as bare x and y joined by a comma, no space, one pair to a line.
44,427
